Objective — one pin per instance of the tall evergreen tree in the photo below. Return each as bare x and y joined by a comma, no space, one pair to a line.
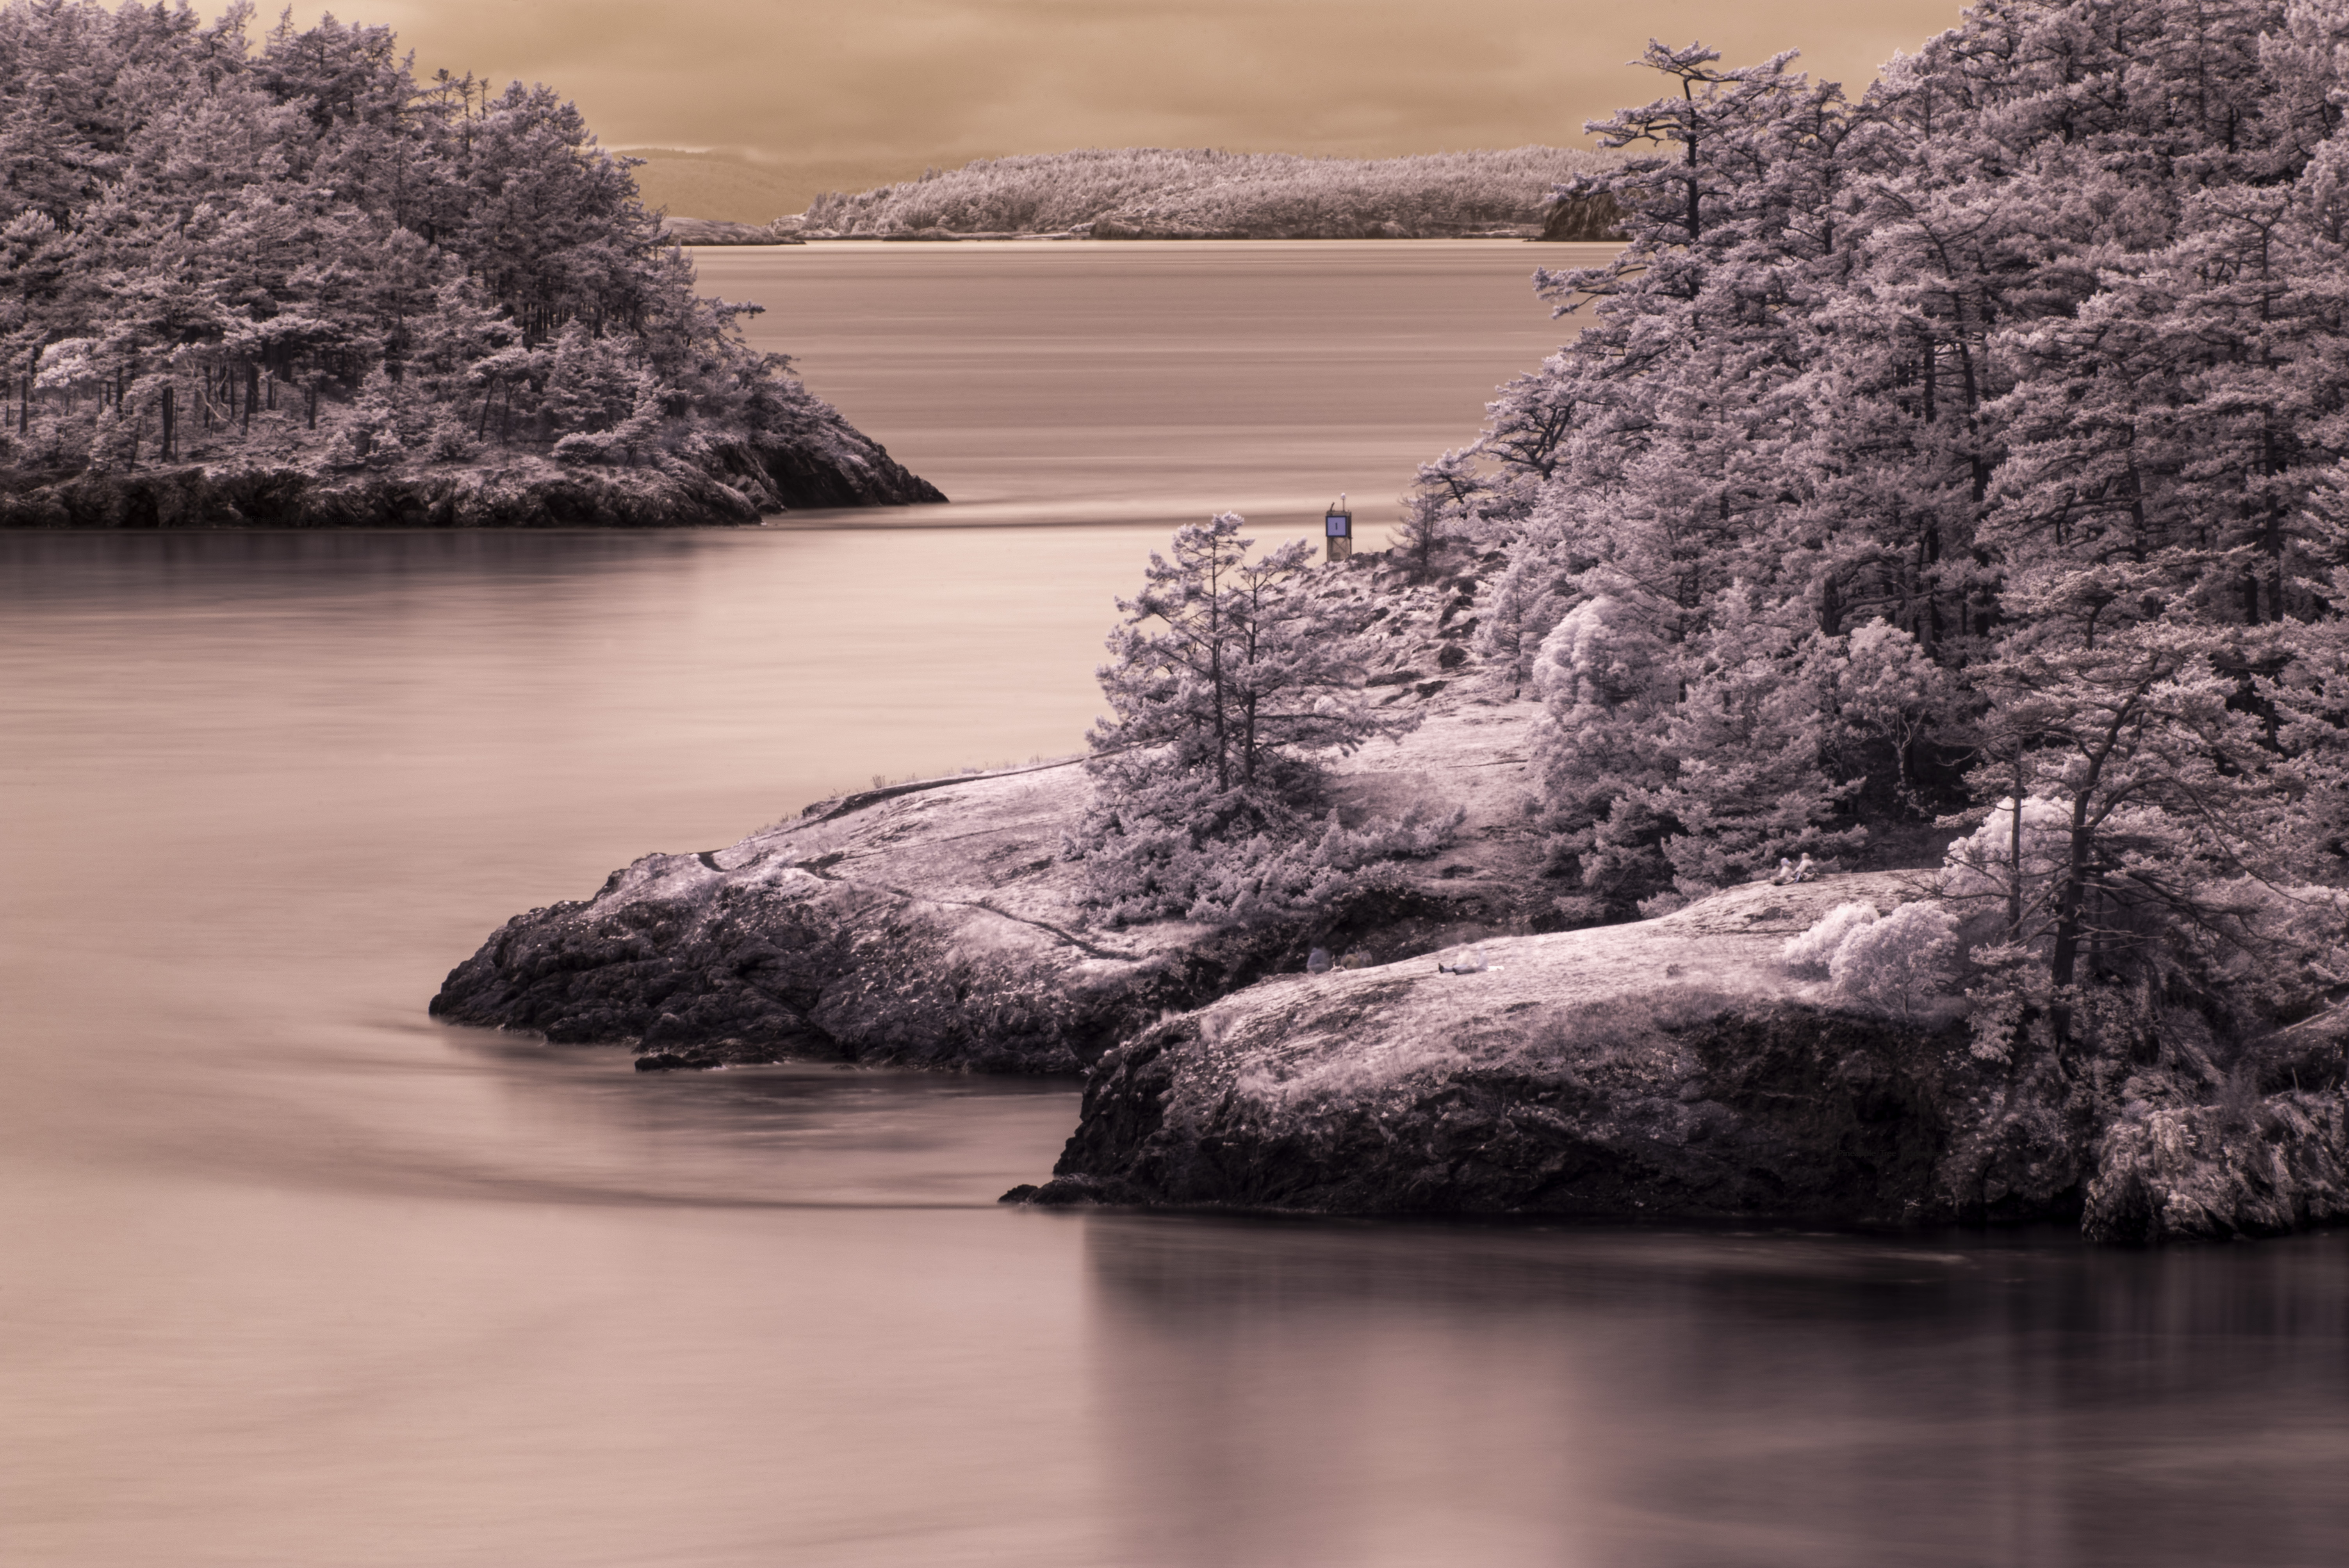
1230,679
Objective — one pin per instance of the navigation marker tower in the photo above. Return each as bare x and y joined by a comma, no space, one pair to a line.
1338,525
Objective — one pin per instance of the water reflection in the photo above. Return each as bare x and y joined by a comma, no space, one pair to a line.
806,1135
230,565
1399,1394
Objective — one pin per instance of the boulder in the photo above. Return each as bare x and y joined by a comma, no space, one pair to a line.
1673,1066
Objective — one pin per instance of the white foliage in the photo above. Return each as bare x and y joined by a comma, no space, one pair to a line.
1885,692
1603,654
1229,679
1810,952
1892,960
1519,610
68,364
1149,868
1981,864
1899,960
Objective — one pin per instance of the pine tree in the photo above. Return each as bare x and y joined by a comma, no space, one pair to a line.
2043,331
1221,672
1228,680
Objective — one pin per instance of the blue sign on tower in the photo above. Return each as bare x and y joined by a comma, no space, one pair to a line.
1338,525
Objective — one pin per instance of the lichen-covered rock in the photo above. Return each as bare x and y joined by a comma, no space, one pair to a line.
933,923
1685,1067
1675,1066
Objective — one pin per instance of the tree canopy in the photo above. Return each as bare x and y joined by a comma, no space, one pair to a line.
287,251
1229,682
1980,439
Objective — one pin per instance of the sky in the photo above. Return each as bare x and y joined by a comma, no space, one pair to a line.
943,81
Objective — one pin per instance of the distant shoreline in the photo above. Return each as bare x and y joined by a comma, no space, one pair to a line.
1201,193
1532,237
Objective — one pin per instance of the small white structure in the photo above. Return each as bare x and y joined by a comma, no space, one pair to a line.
1337,527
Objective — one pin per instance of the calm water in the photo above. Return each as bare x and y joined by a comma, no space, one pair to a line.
289,1276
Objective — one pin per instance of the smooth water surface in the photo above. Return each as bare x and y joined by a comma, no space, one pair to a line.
291,1275
1156,380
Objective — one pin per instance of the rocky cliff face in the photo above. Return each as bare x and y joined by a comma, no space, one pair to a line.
1671,1067
1666,1068
2263,1166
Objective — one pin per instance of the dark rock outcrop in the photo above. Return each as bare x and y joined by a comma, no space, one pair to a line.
1584,218
2266,1168
1676,1069
733,481
1574,1076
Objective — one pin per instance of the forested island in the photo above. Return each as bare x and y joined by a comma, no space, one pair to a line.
284,283
1201,193
1862,736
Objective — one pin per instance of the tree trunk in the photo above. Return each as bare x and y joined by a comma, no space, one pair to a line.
1217,695
2063,962
2014,851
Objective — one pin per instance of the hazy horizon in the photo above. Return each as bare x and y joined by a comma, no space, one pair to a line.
822,99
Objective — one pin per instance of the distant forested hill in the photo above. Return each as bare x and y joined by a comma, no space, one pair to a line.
291,285
732,188
1149,193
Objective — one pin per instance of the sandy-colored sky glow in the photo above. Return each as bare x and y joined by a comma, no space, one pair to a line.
942,81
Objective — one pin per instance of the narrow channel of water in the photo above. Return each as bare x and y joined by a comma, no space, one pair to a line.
291,1275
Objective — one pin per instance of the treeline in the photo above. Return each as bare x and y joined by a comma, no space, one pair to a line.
1148,192
296,255
1981,440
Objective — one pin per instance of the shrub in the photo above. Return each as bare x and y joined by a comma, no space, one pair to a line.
1811,953
1897,961
1891,961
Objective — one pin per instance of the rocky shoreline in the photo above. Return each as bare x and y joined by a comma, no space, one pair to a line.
1672,1068
1669,1068
1676,1067
933,925
732,482
1666,1068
